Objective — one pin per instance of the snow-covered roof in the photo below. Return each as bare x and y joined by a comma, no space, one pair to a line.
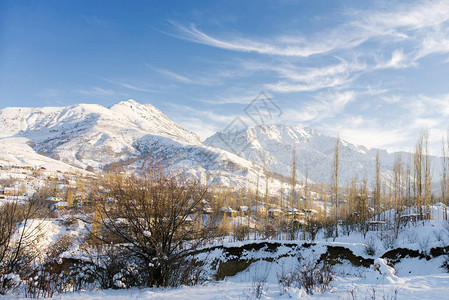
257,207
227,209
62,204
54,199
243,208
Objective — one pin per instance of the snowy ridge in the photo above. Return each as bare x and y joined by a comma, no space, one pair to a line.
271,146
92,135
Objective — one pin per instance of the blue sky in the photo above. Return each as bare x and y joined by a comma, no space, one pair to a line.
374,72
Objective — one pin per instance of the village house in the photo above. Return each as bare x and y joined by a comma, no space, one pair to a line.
259,210
293,213
228,211
10,191
309,212
243,210
274,212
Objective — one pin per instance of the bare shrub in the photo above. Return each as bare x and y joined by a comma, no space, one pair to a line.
438,235
446,263
424,244
313,227
285,280
370,246
446,227
315,276
291,228
268,231
107,266
347,227
412,237
45,277
329,230
44,283
258,283
388,240
312,275
241,232
373,295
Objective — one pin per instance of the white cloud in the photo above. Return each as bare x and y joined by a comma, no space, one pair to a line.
170,74
127,85
324,106
283,45
300,79
49,93
190,79
97,91
203,122
398,60
393,22
368,45
434,42
408,16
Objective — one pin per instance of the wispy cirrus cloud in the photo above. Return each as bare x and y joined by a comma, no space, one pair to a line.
307,79
98,92
357,66
398,60
404,17
127,85
399,133
189,79
323,106
203,122
370,133
49,92
170,74
284,45
424,24
434,42
409,21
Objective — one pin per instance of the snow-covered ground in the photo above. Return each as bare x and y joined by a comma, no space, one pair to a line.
363,284
406,278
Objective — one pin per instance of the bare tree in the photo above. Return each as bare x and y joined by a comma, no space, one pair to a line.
153,218
417,174
377,191
335,186
427,176
397,191
17,233
293,200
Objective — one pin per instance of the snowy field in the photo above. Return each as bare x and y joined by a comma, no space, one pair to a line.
431,282
404,278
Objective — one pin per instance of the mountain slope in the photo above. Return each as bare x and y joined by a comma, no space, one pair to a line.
90,134
272,146
127,133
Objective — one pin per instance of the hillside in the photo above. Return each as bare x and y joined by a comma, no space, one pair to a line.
127,133
271,146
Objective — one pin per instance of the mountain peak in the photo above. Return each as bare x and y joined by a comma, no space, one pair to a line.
152,120
129,102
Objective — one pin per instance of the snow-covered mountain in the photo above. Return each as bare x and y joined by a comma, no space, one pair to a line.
127,133
271,146
90,134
